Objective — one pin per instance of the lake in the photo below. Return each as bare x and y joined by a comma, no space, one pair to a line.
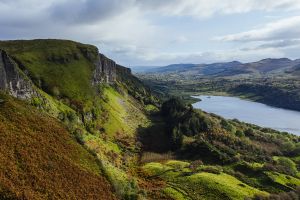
251,112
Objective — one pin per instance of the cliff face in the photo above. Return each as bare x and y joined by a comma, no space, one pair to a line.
105,70
60,68
11,79
122,71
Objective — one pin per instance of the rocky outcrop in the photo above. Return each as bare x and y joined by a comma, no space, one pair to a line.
12,80
105,71
16,82
123,71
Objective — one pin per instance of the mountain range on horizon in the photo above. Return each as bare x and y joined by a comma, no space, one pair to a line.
266,66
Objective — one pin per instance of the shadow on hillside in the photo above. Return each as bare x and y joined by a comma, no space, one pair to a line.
154,138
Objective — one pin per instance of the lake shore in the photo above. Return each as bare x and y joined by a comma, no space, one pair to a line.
251,112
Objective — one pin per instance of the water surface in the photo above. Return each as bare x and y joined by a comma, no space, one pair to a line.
251,112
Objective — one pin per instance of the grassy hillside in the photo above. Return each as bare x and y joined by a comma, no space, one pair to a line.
60,67
41,160
116,141
104,118
182,183
207,157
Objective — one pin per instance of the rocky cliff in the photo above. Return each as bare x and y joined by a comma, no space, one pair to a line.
59,67
105,70
12,80
68,79
122,71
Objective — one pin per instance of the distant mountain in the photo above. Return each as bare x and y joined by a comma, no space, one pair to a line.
294,70
142,69
272,65
263,67
163,69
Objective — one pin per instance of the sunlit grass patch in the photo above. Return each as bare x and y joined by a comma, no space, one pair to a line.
284,179
176,164
223,184
201,185
176,194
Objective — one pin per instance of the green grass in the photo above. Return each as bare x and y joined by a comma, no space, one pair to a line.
62,72
222,185
60,67
175,194
283,179
115,106
256,165
203,185
154,168
177,164
124,115
120,118
151,108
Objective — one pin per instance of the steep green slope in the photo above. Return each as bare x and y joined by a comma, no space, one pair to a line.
104,118
41,160
136,87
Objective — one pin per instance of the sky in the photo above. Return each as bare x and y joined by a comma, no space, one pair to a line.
162,32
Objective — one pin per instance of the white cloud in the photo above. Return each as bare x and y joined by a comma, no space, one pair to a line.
207,8
288,28
126,30
277,44
277,38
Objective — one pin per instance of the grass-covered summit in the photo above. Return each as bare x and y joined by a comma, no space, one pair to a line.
60,67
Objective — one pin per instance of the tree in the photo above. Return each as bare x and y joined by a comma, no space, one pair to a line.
176,138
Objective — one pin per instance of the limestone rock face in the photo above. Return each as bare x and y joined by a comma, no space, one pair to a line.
12,80
105,71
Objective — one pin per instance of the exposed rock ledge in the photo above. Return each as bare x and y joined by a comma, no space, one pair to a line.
12,80
105,70
15,82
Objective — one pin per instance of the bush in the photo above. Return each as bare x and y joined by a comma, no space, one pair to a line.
55,91
249,132
71,116
182,120
292,195
227,126
195,164
287,165
212,169
79,136
176,138
239,133
282,165
173,108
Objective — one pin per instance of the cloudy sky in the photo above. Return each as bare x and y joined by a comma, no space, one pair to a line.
160,32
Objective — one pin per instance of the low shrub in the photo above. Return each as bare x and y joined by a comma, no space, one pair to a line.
211,169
